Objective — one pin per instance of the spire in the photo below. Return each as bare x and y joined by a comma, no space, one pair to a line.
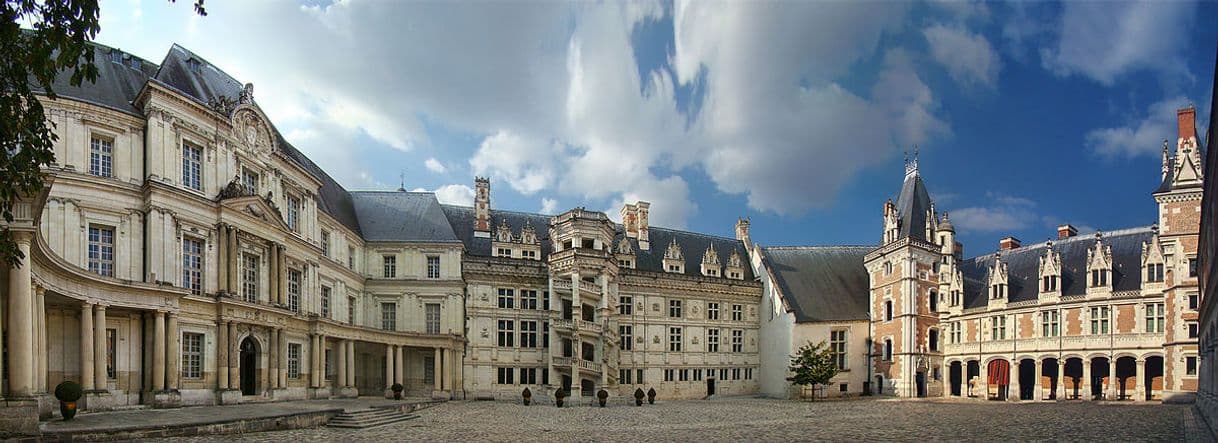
911,166
402,186
1166,161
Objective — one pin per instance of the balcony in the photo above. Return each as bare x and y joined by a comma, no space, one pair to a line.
562,324
564,362
562,283
589,327
589,287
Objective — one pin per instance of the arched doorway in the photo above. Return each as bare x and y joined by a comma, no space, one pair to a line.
1126,377
1027,380
1074,377
1099,373
249,366
998,378
955,376
1049,377
972,373
1153,377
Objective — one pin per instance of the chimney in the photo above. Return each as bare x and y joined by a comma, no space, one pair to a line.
1008,243
482,207
742,232
630,220
640,218
1066,231
1186,122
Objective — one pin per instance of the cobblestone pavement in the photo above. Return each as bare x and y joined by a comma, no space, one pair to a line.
759,419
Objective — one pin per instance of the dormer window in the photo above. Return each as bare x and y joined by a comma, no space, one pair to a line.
1099,264
504,252
249,181
194,64
1099,277
116,56
1049,283
998,291
887,268
674,259
1154,272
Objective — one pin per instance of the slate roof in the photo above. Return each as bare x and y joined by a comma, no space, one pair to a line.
117,83
1023,266
821,283
693,245
912,206
400,216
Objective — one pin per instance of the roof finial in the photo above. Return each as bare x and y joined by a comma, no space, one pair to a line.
911,166
402,186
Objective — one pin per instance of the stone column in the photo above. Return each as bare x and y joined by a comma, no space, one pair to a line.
41,351
222,356
389,369
1085,389
313,360
458,370
1110,388
222,254
283,275
273,276
450,369
1139,382
272,360
283,358
21,328
1014,381
234,279
399,371
173,357
1038,385
99,347
351,363
340,355
437,372
158,353
234,357
1060,390
86,347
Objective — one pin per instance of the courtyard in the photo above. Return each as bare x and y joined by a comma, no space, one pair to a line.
760,419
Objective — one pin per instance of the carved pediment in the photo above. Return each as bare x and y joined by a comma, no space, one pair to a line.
252,130
258,208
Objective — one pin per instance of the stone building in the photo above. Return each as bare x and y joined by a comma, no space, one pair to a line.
1106,316
185,253
1207,383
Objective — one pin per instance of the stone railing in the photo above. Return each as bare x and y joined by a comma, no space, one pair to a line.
589,365
562,283
562,323
589,287
562,361
589,326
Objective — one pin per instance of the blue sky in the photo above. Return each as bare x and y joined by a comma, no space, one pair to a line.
794,114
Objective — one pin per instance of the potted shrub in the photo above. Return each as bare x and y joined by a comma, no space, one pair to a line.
638,396
558,396
651,396
601,396
527,395
68,393
397,391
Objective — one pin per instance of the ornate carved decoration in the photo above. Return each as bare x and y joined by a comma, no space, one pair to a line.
734,261
528,235
674,251
504,232
710,257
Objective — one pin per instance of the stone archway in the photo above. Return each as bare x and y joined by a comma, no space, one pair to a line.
955,377
998,379
248,360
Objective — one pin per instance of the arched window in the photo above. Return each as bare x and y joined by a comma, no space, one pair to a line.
888,310
934,301
888,349
933,339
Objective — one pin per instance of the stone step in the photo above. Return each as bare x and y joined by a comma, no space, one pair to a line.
367,418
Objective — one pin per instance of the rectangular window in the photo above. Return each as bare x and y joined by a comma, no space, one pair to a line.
389,265
111,350
429,371
101,157
433,317
325,243
192,265
669,374
545,334
623,376
351,310
294,280
528,376
192,355
528,333
956,332
507,298
737,312
1192,268
293,360
712,311
737,340
1050,322
723,374
325,302
674,308
674,339
1154,272
433,266
389,316
712,340
697,375
1154,317
351,257
888,310
837,346
1099,320
249,180
1193,302
329,370
294,213
101,250
638,376
528,299
624,306
506,376
1190,366
998,327
249,285
192,166
735,373
683,375
506,333
1192,330
504,252
626,333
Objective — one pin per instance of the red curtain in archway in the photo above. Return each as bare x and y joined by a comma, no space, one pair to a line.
999,373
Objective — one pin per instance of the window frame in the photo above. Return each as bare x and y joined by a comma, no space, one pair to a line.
192,355
192,264
98,249
101,155
192,166
389,316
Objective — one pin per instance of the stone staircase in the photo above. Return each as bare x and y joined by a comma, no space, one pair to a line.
367,418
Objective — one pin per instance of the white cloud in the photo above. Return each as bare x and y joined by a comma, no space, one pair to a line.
968,57
435,166
548,206
452,194
1004,214
1106,40
1143,135
527,165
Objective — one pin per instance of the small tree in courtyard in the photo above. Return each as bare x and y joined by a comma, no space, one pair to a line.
812,365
